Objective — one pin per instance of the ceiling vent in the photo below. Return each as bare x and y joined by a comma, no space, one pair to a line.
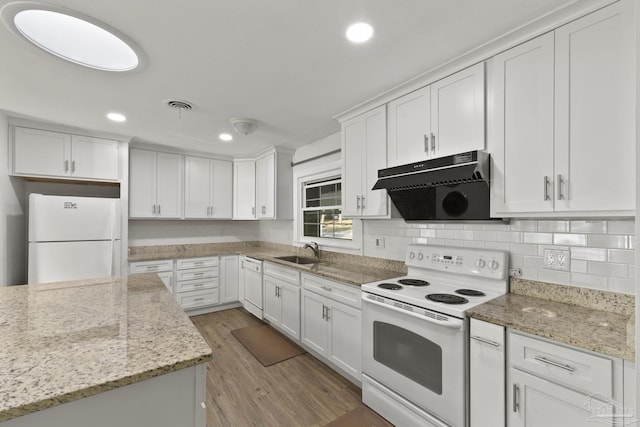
179,105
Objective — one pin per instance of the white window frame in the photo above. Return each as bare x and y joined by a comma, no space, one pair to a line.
317,173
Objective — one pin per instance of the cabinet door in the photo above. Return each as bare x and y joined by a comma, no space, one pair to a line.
374,202
486,372
142,184
409,127
265,186
244,189
229,279
595,125
534,402
290,319
169,188
94,158
41,153
272,309
345,337
222,189
314,325
353,143
197,182
457,112
521,127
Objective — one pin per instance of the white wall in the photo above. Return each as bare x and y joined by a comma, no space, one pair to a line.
152,232
12,218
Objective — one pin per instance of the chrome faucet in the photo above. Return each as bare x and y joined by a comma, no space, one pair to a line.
314,247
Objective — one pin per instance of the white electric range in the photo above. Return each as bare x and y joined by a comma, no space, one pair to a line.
415,333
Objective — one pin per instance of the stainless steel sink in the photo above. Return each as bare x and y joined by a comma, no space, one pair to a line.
298,259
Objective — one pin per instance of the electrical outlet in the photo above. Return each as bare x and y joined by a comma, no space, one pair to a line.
557,259
515,272
380,242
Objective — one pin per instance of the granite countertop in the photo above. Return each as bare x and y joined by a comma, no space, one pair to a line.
600,329
68,340
351,269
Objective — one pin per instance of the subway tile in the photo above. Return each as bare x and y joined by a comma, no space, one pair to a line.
436,242
516,260
533,261
453,242
589,254
590,280
427,233
541,248
523,225
554,276
501,246
484,235
421,241
623,286
608,241
529,273
523,248
632,242
623,256
444,234
438,226
497,226
552,226
631,274
463,234
579,266
539,238
453,226
622,226
588,226
479,244
570,239
608,269
509,236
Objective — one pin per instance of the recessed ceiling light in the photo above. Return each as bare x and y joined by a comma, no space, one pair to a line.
72,36
359,32
116,117
225,137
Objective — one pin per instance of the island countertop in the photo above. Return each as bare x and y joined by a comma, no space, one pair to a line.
68,340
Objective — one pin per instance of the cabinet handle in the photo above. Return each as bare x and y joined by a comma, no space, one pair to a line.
154,209
362,202
553,363
66,165
158,209
326,288
433,142
560,181
253,210
198,263
152,267
357,202
516,398
546,188
198,274
264,210
486,341
197,285
199,299
323,311
73,166
327,316
426,143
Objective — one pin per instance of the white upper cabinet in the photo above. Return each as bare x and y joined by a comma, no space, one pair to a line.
364,145
155,184
208,188
265,186
561,129
59,155
445,118
244,189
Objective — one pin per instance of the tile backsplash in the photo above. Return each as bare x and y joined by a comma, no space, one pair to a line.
602,251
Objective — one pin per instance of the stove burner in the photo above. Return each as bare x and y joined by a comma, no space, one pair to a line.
413,282
470,293
390,286
447,298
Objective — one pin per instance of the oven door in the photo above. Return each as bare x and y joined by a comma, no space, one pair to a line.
418,354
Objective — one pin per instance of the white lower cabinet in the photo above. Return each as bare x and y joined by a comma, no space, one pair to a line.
332,323
229,279
197,284
163,268
551,384
282,299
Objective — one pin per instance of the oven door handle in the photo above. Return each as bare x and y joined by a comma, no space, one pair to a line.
451,323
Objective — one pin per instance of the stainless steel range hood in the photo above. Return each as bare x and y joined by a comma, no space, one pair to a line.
448,188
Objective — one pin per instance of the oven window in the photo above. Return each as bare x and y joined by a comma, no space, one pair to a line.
409,354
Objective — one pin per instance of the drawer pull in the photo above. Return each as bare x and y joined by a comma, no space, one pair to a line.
199,299
198,263
198,274
152,267
326,288
486,341
197,285
516,397
556,364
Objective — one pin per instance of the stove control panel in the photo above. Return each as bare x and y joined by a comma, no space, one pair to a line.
475,262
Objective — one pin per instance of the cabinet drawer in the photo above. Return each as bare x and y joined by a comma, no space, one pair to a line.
186,263
563,365
485,333
197,285
197,273
286,274
151,266
340,292
197,299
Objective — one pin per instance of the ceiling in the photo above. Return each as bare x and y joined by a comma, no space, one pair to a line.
285,63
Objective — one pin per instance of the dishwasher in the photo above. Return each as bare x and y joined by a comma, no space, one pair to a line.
251,277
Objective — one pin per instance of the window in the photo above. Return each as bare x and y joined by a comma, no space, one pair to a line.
322,210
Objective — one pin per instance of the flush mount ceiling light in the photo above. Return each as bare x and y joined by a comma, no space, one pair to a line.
243,125
359,32
72,36
116,117
226,137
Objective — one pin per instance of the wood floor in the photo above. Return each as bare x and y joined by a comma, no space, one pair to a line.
300,391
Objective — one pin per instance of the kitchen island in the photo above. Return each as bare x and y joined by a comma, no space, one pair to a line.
114,351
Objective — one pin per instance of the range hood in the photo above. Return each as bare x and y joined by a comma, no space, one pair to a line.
448,188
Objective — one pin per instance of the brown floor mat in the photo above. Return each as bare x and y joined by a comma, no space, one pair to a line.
361,416
267,345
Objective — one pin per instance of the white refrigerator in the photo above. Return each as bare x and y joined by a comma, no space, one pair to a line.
73,238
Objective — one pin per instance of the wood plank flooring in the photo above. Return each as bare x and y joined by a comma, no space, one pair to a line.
301,391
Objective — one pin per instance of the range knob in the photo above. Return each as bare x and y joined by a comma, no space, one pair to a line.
480,263
420,256
412,255
493,265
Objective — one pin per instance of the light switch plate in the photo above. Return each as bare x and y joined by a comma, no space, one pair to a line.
380,242
557,259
